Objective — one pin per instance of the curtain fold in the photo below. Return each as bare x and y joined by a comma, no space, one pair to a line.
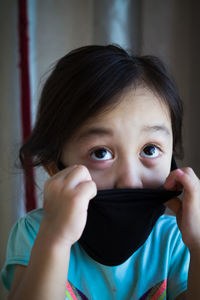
117,22
23,29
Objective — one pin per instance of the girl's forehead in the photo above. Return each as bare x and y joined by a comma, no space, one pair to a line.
140,104
138,110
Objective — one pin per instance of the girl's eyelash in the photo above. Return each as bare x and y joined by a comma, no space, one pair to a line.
153,151
153,145
103,148
110,154
99,148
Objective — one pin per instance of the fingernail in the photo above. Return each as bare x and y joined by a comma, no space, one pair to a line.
180,171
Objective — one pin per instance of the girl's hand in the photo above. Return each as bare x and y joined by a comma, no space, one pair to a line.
188,210
66,199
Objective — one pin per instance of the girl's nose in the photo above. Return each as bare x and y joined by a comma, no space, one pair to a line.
128,176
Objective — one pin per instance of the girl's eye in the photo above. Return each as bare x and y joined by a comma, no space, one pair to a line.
150,151
101,154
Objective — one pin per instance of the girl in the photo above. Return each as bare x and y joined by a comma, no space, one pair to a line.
108,122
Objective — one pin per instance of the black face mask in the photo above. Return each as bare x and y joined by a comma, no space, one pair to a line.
119,222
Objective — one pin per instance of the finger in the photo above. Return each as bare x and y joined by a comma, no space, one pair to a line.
63,173
57,178
186,178
77,175
86,190
190,181
172,181
71,175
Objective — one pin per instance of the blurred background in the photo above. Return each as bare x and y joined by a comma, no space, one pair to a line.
168,29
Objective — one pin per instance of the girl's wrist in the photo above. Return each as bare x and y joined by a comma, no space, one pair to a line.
50,238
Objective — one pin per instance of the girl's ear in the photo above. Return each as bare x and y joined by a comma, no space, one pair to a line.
51,168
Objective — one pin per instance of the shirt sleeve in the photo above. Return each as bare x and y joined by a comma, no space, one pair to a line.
20,243
178,265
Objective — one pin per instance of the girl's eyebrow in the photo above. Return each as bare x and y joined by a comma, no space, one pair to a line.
102,131
156,128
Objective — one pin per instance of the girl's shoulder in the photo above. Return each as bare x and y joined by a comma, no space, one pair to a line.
167,220
33,217
24,232
20,243
166,226
29,224
166,236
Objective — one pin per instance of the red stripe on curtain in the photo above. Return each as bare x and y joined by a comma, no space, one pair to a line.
30,199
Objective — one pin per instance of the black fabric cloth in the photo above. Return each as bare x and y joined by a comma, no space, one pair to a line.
119,221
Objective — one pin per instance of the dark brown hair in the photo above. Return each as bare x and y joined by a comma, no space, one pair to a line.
83,83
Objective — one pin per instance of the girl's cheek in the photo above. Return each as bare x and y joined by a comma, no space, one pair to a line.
151,163
99,165
154,179
103,182
102,176
154,172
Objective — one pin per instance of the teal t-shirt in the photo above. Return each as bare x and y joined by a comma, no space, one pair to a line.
157,270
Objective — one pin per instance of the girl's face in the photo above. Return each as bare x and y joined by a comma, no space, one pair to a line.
129,146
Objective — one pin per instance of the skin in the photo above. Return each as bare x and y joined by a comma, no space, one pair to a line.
129,133
129,146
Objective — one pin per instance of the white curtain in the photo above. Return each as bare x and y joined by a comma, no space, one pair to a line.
167,28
